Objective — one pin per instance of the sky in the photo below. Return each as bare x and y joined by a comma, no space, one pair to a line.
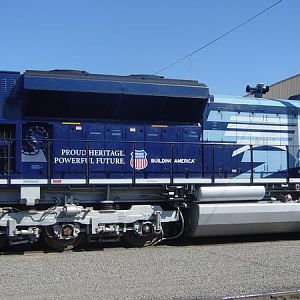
140,37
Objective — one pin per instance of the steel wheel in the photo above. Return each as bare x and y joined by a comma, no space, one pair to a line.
140,241
60,244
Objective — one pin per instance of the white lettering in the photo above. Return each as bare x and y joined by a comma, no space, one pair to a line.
160,160
107,156
176,160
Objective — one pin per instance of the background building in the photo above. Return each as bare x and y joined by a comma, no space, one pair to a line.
285,89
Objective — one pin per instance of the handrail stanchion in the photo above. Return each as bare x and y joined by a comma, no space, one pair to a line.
202,159
133,163
213,163
287,165
49,161
172,163
251,164
87,162
9,162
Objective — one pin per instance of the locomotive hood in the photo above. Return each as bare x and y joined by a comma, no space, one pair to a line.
81,95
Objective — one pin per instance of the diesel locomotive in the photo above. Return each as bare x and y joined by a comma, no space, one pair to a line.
99,158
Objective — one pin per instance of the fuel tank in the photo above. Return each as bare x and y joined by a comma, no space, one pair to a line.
238,210
223,219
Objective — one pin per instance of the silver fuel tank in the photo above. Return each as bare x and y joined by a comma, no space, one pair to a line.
210,216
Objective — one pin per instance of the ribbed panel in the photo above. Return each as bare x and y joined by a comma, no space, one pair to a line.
285,88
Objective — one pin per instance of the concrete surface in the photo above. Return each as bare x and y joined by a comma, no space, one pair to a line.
197,270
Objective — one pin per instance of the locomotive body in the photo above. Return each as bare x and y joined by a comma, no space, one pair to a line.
143,158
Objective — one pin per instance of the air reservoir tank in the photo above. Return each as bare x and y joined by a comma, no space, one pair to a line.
230,193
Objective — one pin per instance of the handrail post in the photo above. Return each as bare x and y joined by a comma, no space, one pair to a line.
202,159
49,164
287,165
213,163
87,162
133,163
251,164
172,163
9,162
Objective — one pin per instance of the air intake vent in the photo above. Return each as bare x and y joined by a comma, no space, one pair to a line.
7,85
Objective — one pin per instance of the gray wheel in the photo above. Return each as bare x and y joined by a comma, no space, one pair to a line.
59,244
140,241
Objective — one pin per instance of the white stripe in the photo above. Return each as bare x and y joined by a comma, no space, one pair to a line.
148,180
240,150
258,127
230,180
261,120
191,180
153,180
29,181
110,181
295,180
257,134
275,180
68,181
265,142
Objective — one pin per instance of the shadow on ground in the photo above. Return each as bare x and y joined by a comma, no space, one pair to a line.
41,247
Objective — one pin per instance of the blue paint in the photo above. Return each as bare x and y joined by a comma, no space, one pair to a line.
47,147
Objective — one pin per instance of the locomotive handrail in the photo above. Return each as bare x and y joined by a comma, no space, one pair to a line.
133,168
212,173
49,161
158,142
251,164
287,164
213,163
88,162
9,162
172,164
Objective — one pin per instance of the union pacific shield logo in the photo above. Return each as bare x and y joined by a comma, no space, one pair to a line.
141,161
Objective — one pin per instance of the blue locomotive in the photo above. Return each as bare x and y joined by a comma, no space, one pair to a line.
87,157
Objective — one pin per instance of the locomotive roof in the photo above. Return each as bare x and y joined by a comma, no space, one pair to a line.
227,99
81,81
257,105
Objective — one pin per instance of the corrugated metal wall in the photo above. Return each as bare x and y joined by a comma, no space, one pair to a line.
285,88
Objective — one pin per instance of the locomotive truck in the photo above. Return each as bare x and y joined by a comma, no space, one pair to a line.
97,158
